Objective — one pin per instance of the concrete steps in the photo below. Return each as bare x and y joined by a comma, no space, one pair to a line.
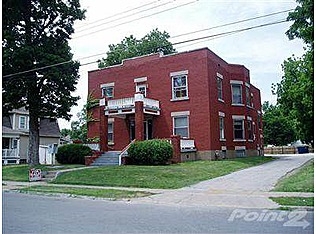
110,158
49,175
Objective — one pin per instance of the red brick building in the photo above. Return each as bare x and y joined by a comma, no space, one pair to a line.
194,94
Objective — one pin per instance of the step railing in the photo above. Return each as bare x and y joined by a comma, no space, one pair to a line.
124,151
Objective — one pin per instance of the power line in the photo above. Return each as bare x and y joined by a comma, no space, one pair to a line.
232,23
126,16
115,15
127,22
176,43
235,31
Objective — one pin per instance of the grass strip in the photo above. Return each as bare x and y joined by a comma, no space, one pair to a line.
99,193
21,172
294,201
301,181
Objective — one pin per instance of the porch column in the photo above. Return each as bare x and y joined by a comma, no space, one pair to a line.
139,117
103,127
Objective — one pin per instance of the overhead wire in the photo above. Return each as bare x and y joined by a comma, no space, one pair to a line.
127,22
117,14
233,23
175,43
126,16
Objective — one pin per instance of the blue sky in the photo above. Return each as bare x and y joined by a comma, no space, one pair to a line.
261,50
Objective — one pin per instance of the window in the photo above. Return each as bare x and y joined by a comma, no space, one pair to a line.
219,88
221,128
181,126
248,97
110,132
259,120
108,91
240,153
179,87
250,129
23,122
239,129
142,88
236,94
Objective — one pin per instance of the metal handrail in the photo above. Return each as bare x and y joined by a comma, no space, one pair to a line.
124,150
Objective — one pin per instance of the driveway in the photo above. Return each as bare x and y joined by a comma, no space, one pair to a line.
247,188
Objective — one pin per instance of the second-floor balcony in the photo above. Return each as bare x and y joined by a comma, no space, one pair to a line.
125,106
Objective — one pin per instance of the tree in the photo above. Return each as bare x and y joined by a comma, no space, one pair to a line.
79,128
296,90
303,25
278,129
35,35
153,42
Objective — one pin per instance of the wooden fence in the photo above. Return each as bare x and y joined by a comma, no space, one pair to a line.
284,150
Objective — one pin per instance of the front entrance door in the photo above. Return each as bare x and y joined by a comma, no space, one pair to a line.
148,129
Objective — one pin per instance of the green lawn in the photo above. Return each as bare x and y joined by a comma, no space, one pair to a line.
294,201
165,177
101,193
301,181
21,172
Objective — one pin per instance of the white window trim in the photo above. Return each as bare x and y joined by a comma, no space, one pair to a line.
107,85
243,128
188,122
220,77
239,82
221,114
240,147
141,85
222,117
26,122
241,92
110,86
111,121
140,79
179,73
180,113
187,86
238,117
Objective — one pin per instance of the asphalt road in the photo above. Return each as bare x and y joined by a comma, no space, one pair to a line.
23,213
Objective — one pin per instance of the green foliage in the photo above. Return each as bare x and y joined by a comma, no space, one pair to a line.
79,128
72,154
35,35
303,25
278,128
296,90
296,94
151,152
153,42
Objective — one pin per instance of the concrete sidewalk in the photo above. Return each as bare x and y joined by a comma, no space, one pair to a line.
247,188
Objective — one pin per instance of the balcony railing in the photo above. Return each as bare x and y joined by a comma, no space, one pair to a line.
127,106
10,156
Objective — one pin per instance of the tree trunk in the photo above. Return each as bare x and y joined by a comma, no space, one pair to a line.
33,153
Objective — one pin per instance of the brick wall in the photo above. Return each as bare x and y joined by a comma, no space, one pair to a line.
202,66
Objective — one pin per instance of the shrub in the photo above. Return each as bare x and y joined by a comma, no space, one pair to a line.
72,154
151,152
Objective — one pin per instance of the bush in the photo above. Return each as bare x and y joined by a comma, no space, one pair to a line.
151,152
72,154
